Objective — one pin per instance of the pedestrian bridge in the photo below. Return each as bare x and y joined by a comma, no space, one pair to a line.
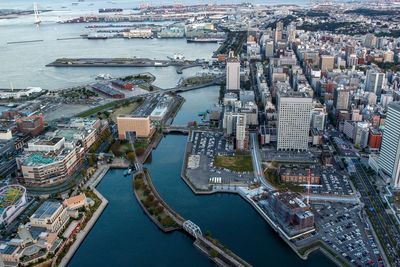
192,229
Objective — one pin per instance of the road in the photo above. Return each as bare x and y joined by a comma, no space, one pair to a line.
382,222
256,158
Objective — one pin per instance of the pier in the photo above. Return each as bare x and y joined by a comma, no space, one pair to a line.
125,62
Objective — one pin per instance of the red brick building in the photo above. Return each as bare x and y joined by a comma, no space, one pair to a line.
375,138
33,125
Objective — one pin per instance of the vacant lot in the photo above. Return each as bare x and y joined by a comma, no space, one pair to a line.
237,163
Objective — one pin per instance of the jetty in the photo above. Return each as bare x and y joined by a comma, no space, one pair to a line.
126,62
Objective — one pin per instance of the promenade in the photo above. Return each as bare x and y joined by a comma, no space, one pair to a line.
81,235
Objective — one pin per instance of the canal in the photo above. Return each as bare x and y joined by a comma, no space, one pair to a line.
124,236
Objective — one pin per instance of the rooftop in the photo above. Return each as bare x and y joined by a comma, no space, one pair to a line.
46,210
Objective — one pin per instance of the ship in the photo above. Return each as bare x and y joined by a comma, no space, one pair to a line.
97,37
204,40
107,10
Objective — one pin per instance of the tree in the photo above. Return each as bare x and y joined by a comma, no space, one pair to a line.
131,156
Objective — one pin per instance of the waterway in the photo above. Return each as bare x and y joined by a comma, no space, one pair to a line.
124,236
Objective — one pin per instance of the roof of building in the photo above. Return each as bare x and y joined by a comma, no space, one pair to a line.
46,210
75,199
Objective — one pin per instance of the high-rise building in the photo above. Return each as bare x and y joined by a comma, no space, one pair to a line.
241,140
375,81
232,73
291,33
318,118
294,118
341,98
327,62
269,49
375,139
370,40
386,99
389,160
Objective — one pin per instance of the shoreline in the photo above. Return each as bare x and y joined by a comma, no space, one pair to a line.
266,218
82,234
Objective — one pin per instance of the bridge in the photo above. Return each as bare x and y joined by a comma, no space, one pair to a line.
176,129
192,229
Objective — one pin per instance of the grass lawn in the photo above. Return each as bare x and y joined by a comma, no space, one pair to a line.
237,163
272,176
126,109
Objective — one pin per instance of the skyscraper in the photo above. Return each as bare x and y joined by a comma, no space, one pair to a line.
241,143
294,118
327,62
375,81
389,160
341,98
232,73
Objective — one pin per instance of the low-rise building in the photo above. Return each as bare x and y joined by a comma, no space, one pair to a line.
75,202
140,126
299,175
51,215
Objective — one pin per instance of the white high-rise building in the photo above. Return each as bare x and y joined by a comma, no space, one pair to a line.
375,82
389,160
269,49
318,118
294,118
241,132
232,73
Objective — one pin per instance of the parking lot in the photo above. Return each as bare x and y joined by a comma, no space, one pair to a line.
333,182
206,145
344,228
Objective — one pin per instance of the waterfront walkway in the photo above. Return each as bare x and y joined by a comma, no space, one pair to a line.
81,235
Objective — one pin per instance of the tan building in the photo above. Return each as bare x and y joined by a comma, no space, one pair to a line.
51,215
75,202
141,126
47,162
327,62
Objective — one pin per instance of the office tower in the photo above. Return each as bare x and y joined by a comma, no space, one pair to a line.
269,49
386,99
370,40
375,82
241,143
294,118
327,62
291,33
341,98
318,119
389,160
232,73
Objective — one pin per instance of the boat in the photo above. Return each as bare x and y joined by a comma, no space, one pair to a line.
108,10
103,76
204,40
127,172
